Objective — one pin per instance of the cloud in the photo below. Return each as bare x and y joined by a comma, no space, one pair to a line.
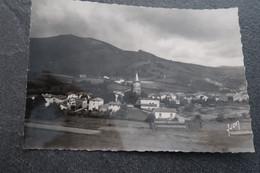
206,37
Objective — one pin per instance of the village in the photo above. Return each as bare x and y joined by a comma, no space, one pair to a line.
164,109
132,115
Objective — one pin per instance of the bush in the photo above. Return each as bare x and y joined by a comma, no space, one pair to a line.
220,118
175,119
130,98
51,112
150,118
197,117
189,108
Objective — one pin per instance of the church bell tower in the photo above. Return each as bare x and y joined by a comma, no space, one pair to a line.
137,85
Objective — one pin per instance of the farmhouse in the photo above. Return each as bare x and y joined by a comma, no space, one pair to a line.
149,103
155,96
165,113
120,81
49,98
82,75
72,95
75,103
114,106
72,103
95,103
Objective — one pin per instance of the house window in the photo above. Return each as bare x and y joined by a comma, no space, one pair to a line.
160,115
171,115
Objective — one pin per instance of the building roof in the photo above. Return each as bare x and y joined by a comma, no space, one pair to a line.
97,99
149,105
69,93
165,110
59,97
154,94
114,103
63,104
145,98
105,106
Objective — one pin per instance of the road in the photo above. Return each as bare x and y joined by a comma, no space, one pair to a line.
62,129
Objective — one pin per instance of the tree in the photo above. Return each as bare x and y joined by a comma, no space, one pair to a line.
230,99
131,98
53,111
169,104
189,108
197,117
220,118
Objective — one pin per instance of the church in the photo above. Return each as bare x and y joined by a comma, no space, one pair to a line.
136,85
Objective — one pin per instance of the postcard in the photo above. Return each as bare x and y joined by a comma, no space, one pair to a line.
128,78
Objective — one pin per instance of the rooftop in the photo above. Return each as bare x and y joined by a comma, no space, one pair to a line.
145,98
114,103
149,105
97,99
165,110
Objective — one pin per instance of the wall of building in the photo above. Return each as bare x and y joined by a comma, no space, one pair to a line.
164,115
148,107
155,102
84,104
95,104
114,108
137,87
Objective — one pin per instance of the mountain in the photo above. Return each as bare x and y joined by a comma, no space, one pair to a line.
72,55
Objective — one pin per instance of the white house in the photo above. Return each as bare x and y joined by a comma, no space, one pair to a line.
155,96
114,106
106,77
149,103
63,106
82,75
165,113
72,95
53,99
95,103
71,103
120,81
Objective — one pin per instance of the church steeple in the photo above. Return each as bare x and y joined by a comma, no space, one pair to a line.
136,77
137,85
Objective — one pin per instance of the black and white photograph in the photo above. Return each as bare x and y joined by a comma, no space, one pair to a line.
130,78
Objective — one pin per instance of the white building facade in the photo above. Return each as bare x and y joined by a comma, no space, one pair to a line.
149,104
114,106
95,103
165,113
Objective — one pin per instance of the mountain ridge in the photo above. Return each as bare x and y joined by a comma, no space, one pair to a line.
73,55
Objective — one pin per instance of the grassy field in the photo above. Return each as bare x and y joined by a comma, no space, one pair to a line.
228,110
133,135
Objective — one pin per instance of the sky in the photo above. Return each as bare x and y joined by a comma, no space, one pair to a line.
204,37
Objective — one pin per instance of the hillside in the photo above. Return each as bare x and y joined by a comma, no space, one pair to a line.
71,55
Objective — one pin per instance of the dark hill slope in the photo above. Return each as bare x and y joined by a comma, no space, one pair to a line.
71,55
